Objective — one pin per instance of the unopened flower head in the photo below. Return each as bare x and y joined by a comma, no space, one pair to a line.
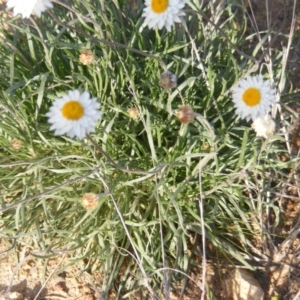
89,201
264,126
185,114
253,97
86,57
163,13
74,114
29,7
133,113
168,80
16,144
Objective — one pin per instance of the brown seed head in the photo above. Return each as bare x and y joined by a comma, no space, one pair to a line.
167,80
185,114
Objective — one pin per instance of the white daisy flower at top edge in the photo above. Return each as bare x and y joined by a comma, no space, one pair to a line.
163,13
29,7
253,97
74,114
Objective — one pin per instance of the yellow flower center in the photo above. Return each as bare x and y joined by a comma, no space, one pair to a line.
159,6
252,96
72,110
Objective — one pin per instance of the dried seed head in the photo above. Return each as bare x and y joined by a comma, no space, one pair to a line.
167,80
86,57
16,144
133,113
89,201
185,114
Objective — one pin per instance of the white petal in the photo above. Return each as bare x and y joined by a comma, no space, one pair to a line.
165,19
29,7
267,97
74,128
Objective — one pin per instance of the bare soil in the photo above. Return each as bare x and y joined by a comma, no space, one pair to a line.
25,277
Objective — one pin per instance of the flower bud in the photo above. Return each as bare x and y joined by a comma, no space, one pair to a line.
89,201
133,113
86,57
185,114
16,144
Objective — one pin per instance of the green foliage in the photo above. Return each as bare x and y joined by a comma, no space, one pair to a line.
147,221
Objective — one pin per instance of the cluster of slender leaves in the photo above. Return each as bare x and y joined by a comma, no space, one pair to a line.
147,220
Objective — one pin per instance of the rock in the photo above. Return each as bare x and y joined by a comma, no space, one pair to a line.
241,285
14,296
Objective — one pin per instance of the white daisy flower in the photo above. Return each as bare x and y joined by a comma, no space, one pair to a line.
264,126
160,13
74,114
253,97
29,7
